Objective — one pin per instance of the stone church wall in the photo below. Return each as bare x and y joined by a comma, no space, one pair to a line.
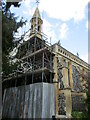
61,104
78,103
76,79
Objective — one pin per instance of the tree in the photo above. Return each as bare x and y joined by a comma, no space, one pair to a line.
88,102
88,95
9,27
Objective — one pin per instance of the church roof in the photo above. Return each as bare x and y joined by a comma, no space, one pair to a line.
36,13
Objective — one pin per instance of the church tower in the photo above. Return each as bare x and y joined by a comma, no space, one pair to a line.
36,23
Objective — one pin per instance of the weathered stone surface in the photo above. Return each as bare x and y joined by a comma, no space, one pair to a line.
30,101
61,104
60,78
76,79
78,103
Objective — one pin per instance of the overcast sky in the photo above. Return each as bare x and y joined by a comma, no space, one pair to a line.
64,20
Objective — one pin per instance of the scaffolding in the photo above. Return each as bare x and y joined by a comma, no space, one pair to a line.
35,58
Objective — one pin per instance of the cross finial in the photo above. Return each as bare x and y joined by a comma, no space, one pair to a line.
37,2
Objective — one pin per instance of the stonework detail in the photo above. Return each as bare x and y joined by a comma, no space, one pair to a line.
76,79
78,103
60,79
61,104
61,86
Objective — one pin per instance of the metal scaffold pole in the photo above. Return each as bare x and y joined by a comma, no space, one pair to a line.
43,61
50,61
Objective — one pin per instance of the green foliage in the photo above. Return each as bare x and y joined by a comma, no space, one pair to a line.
9,27
88,102
83,115
80,115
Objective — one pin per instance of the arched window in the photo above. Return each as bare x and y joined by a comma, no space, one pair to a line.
32,27
38,28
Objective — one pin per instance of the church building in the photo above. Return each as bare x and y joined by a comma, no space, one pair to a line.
49,80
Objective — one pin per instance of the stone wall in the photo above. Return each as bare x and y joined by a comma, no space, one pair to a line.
76,79
60,75
78,103
61,104
60,79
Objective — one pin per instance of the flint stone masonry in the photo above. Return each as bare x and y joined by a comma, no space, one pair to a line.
61,104
30,101
78,103
60,79
76,79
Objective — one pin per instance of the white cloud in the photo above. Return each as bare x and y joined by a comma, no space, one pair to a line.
64,9
27,2
63,31
29,12
47,29
29,9
84,57
25,12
